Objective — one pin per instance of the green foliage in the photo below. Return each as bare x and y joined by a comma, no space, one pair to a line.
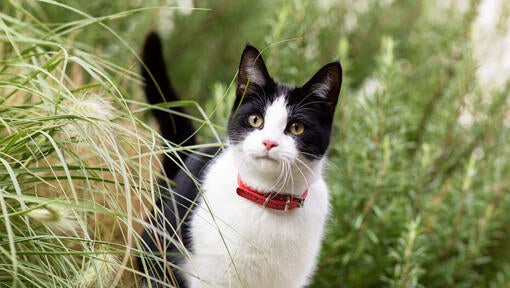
403,154
73,155
417,169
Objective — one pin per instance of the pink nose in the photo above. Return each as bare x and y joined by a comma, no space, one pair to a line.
270,144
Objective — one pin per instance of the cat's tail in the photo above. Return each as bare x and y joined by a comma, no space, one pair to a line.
175,128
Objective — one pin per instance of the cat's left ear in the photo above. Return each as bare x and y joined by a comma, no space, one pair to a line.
326,84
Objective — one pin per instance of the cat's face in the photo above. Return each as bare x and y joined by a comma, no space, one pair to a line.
275,126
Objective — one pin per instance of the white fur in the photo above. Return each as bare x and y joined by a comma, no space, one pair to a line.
237,243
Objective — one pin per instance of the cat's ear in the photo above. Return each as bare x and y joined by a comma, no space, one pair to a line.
326,84
253,73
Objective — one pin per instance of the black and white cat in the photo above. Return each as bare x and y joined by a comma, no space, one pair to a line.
259,215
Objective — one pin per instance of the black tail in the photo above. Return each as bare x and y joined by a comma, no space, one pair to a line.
158,89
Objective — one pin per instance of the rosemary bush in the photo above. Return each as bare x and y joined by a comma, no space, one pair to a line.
418,166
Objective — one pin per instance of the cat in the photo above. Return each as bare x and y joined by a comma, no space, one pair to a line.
257,215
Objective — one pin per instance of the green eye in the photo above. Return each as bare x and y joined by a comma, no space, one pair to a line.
296,128
255,120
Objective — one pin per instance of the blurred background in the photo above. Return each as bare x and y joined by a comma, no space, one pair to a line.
418,167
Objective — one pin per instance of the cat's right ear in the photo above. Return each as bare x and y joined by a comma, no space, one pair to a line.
253,73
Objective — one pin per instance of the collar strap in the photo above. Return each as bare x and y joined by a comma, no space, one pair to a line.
271,200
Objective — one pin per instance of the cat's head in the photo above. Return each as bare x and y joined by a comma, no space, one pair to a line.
275,126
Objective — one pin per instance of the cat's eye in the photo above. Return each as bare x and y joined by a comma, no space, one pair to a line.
255,120
296,128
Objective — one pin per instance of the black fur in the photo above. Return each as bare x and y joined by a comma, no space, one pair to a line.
174,204
173,218
158,89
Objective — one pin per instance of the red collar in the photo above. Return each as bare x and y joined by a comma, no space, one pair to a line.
271,200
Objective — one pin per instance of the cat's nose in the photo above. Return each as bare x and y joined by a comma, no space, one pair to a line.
269,144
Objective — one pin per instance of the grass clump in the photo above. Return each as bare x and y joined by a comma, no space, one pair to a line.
76,163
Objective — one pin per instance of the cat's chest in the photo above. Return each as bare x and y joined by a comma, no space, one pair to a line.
235,239
239,243
237,217
224,207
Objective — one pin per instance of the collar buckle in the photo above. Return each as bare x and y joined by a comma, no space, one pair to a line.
301,202
287,203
